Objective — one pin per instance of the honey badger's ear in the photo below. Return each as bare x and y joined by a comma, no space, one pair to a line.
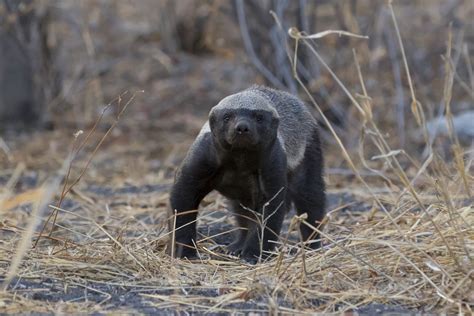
212,119
275,120
212,114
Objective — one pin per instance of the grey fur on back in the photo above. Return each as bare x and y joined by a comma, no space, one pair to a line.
296,127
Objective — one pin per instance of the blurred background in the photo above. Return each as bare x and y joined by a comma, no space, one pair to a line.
62,61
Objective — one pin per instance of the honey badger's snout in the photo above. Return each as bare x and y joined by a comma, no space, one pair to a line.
243,133
242,127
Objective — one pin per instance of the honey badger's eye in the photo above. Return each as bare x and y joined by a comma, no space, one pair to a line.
226,117
259,118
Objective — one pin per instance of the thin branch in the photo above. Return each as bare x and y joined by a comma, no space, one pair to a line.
249,47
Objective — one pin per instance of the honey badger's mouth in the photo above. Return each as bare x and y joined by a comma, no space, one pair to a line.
238,140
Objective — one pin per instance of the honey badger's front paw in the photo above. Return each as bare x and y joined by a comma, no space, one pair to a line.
235,248
251,254
185,251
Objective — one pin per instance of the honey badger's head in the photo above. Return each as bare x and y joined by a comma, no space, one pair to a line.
245,120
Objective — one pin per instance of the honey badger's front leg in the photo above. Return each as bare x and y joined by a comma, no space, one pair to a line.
192,183
263,234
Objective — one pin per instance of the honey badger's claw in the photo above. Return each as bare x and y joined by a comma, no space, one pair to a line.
234,248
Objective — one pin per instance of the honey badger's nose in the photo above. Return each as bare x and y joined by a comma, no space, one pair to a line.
242,127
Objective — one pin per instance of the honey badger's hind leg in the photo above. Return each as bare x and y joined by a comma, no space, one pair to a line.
244,224
307,191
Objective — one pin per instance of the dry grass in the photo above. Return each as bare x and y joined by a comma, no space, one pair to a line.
369,257
413,247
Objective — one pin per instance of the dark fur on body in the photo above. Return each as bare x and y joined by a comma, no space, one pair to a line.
261,150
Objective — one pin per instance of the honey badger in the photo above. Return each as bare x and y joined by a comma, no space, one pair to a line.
261,150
